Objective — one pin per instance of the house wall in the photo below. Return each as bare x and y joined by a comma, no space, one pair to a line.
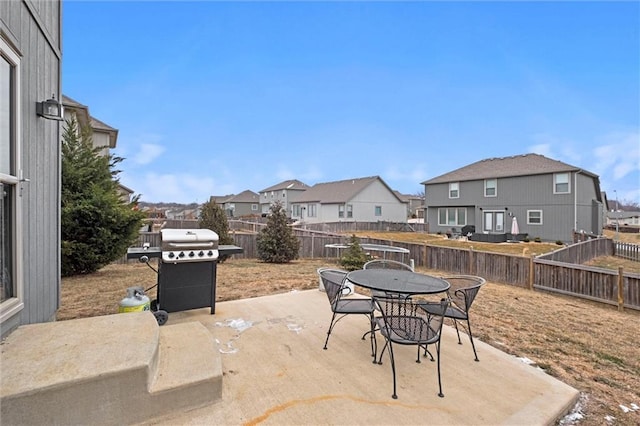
101,140
364,203
518,195
34,28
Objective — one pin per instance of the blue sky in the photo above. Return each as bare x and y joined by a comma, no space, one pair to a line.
214,98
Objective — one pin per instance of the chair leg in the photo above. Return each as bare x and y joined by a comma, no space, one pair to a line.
471,338
329,331
440,394
455,322
393,369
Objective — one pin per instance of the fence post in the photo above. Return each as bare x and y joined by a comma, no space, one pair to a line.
531,272
426,255
620,289
471,268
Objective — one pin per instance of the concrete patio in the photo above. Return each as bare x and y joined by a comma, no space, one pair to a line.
274,371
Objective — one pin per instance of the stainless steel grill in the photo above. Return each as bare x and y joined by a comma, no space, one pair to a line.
187,271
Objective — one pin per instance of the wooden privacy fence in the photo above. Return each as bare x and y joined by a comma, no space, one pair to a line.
558,272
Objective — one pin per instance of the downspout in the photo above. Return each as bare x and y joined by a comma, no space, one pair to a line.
575,201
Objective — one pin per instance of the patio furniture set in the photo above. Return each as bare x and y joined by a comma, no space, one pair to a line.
405,307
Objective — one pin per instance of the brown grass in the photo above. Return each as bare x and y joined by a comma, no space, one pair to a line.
589,346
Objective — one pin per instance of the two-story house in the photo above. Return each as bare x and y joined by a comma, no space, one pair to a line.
246,203
367,199
30,134
285,192
549,199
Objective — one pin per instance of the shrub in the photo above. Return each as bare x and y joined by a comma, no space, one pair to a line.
276,242
537,240
214,218
560,243
354,257
97,225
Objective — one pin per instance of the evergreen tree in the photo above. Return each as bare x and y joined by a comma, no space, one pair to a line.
276,242
97,225
354,257
213,217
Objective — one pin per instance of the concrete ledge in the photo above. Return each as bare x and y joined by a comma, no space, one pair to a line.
115,369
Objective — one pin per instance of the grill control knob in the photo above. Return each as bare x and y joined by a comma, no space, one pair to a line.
201,253
181,254
209,253
191,254
171,255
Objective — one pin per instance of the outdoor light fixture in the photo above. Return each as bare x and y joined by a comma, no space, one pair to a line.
50,109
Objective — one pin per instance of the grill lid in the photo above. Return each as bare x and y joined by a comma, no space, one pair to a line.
189,245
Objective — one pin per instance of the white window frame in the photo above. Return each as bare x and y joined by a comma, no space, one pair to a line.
349,210
13,305
312,210
377,211
341,208
556,183
529,222
254,207
454,190
452,212
488,187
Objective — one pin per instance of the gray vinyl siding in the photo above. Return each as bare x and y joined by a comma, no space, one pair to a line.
516,196
34,28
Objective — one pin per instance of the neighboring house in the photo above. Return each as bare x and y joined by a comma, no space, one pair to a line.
246,203
285,192
549,198
366,199
622,218
30,135
103,135
415,205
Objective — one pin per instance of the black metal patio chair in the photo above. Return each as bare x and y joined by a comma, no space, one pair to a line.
462,293
337,291
403,322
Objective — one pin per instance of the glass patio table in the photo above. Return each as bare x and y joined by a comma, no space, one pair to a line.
398,281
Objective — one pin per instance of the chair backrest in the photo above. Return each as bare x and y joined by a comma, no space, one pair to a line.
463,290
405,320
387,264
334,281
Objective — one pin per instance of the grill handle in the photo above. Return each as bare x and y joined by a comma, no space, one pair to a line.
209,244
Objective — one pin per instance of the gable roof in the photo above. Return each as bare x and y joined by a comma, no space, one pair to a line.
103,127
517,165
291,184
247,196
339,191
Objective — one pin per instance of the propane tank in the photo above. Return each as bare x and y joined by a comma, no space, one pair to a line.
136,301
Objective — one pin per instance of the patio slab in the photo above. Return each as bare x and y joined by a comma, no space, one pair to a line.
276,372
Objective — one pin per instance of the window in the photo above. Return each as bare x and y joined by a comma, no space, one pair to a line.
490,188
561,183
349,210
452,217
10,204
311,210
295,210
378,211
534,217
341,210
254,207
454,190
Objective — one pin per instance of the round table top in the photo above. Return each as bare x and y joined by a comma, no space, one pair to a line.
398,281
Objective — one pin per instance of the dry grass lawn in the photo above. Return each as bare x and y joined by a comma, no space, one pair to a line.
587,345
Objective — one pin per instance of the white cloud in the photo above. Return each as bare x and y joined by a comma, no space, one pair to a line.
147,153
619,155
178,188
